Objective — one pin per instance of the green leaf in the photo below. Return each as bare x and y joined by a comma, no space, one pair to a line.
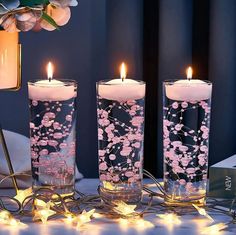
31,3
50,20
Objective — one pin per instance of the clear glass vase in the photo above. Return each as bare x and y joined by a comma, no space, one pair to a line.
53,134
186,126
120,112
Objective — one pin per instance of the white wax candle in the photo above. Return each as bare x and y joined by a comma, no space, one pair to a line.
188,90
119,90
54,90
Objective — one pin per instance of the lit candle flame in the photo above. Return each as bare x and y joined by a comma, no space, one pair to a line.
50,70
123,71
189,73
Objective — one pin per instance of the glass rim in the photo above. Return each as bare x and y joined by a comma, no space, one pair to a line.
66,82
104,82
172,81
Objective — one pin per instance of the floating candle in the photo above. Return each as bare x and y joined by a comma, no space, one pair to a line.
188,89
122,89
51,89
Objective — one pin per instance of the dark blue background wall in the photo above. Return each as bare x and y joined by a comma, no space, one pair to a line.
158,39
87,49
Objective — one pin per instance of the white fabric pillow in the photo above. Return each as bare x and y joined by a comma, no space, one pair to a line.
19,150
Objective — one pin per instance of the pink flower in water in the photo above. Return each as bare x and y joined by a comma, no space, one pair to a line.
101,153
136,145
175,105
68,118
132,112
126,142
176,143
178,169
205,136
100,134
112,157
46,123
138,164
50,115
204,148
166,142
116,178
103,122
34,102
43,142
185,161
204,128
175,163
110,136
167,123
125,151
116,140
178,127
34,155
56,125
103,177
53,143
57,135
190,170
137,121
183,148
129,173
131,137
33,141
184,104
201,161
102,166
104,114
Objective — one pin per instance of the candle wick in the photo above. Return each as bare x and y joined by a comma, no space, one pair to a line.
122,79
50,79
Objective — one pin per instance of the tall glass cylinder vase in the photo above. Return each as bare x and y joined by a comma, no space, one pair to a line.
52,134
120,112
186,123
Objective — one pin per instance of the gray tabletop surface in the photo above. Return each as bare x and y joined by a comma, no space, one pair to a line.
190,225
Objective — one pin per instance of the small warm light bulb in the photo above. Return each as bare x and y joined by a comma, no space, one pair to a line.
214,229
170,218
124,209
23,194
50,71
123,71
84,218
189,73
203,212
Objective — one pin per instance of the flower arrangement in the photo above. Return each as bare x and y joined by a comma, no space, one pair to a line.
24,15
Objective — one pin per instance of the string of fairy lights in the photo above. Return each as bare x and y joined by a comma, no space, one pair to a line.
77,210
